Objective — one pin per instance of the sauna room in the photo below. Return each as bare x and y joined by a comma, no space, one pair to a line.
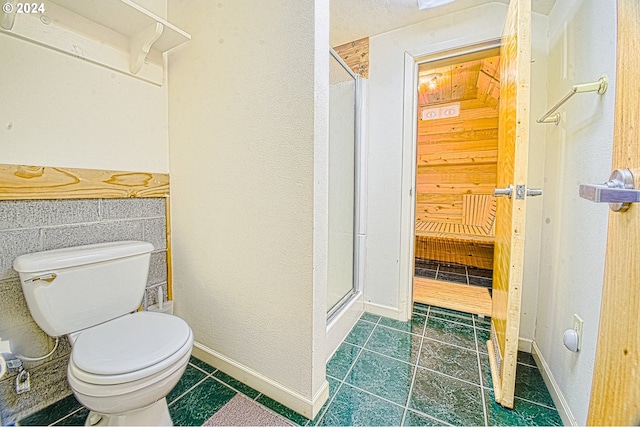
457,150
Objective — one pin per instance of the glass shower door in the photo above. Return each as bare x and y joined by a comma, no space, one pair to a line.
342,183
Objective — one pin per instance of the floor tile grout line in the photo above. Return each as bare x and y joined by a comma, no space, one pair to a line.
373,394
484,402
448,343
400,330
450,376
453,321
66,416
419,412
533,402
390,357
190,389
355,360
415,369
202,370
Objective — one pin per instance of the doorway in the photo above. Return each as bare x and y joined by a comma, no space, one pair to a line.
456,166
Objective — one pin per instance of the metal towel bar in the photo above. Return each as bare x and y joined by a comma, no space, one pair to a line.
599,87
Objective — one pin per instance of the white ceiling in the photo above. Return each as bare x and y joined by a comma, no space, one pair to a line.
354,19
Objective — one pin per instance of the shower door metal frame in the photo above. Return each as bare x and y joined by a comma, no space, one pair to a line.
359,230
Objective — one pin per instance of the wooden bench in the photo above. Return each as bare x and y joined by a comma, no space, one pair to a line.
469,242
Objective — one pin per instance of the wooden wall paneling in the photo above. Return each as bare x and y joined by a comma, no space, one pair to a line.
488,90
470,135
457,174
459,124
167,208
356,55
483,188
19,182
443,157
452,147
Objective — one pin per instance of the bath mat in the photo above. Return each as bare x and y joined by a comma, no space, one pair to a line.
242,411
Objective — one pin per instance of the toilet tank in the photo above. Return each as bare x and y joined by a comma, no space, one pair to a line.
75,288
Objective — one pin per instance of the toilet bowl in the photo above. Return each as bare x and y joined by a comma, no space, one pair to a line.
123,363
129,363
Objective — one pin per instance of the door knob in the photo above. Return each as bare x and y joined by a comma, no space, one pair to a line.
618,191
503,191
520,192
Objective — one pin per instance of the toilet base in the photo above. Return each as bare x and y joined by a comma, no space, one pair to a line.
156,414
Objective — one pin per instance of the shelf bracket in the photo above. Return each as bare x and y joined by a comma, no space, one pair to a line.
141,43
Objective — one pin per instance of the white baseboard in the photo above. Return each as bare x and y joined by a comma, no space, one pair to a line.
556,394
382,310
289,398
524,344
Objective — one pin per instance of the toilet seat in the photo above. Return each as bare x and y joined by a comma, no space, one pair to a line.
129,348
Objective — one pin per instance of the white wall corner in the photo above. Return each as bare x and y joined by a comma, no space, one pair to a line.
278,392
554,389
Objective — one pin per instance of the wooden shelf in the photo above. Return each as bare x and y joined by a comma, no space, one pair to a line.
117,34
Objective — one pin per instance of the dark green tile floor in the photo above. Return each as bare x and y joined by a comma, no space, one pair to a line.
430,371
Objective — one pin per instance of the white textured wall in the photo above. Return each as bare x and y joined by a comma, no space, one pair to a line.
386,80
384,162
582,47
245,129
58,110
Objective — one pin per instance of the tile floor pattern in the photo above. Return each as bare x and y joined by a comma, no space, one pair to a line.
451,272
430,371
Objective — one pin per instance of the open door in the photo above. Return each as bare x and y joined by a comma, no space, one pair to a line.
513,145
615,393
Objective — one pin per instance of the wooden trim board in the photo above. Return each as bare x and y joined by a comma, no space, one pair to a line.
615,392
469,299
356,55
20,182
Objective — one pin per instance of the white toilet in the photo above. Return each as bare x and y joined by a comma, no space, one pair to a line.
123,362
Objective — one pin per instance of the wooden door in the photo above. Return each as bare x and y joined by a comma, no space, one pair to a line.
513,143
615,392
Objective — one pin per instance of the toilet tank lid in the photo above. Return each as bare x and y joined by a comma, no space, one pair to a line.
79,255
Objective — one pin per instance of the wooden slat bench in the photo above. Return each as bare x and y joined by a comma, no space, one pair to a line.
469,242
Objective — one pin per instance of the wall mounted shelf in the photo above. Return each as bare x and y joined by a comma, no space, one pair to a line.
117,34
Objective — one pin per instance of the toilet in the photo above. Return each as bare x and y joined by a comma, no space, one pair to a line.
123,362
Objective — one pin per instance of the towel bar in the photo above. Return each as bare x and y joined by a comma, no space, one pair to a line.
599,87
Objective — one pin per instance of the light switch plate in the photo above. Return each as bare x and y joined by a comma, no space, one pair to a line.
577,326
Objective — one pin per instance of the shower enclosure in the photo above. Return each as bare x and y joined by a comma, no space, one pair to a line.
346,201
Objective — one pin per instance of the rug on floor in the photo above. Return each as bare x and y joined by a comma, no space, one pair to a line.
242,411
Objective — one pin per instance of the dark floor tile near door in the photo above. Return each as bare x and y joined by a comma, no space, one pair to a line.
524,413
53,413
447,399
200,403
353,407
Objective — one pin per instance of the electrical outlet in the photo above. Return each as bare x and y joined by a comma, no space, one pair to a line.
577,326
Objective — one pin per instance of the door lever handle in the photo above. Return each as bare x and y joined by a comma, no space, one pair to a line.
618,191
